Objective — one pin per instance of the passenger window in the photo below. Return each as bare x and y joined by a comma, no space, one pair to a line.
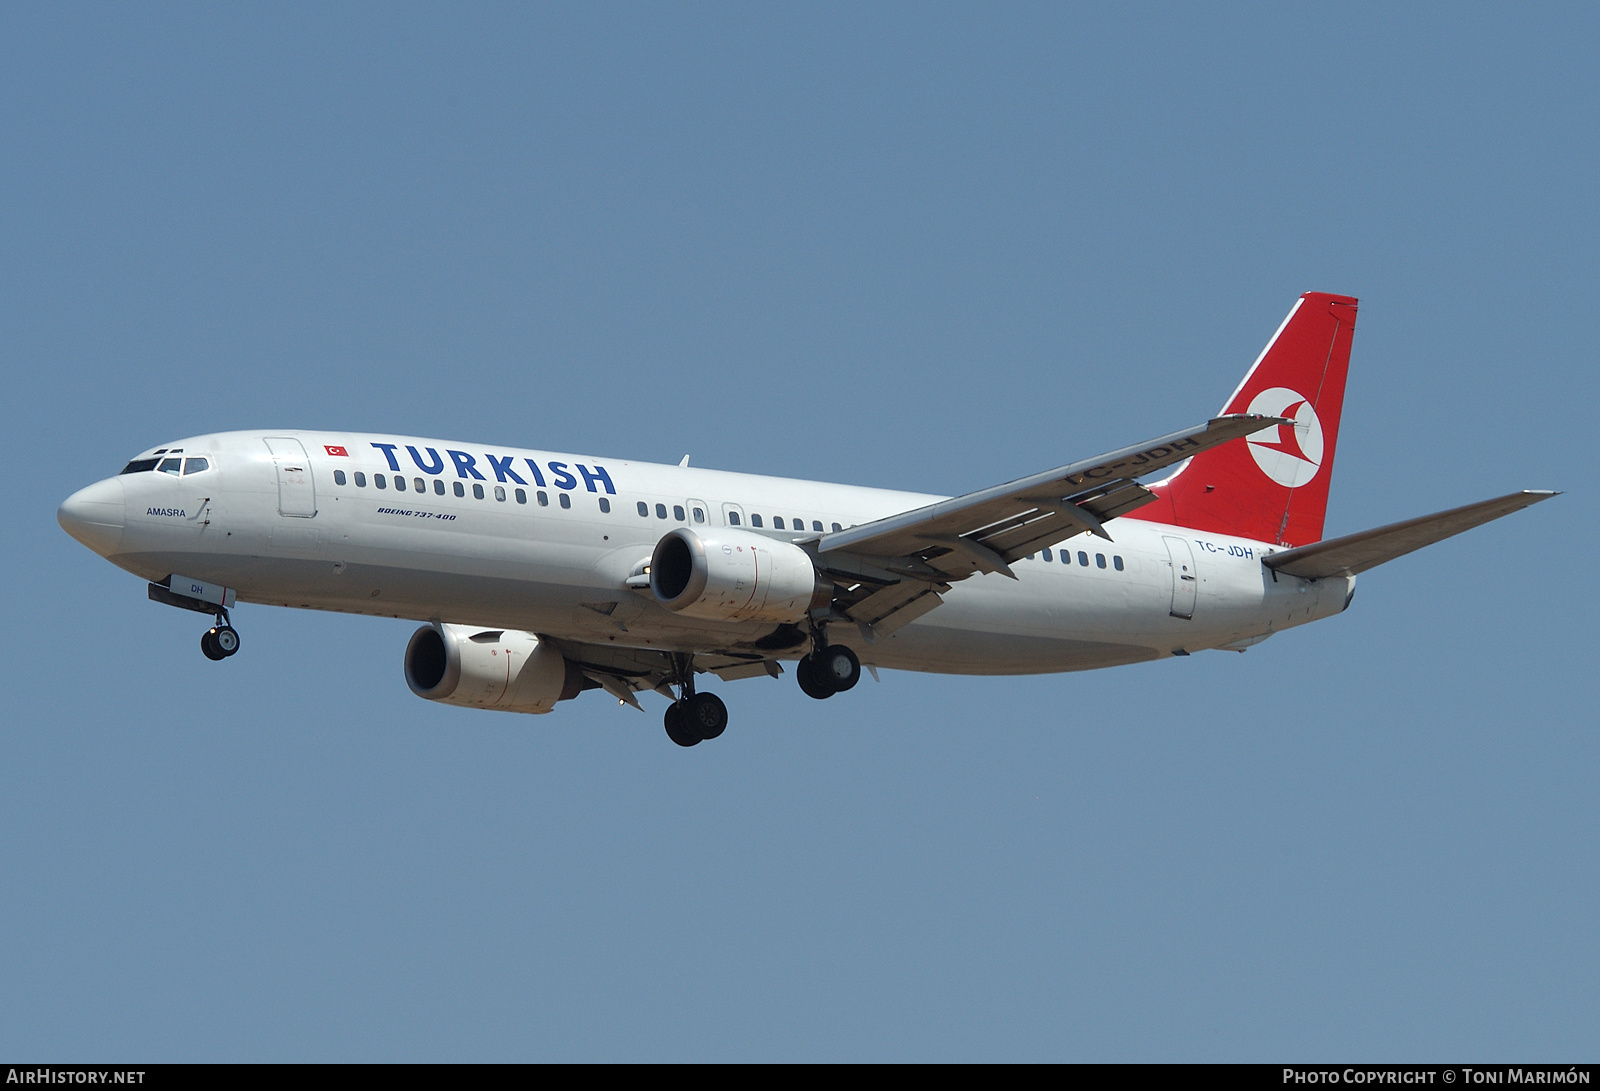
755,520
420,485
173,466
605,505
699,514
477,491
661,511
543,498
1100,560
1083,558
361,480
777,522
438,487
837,528
200,465
399,483
816,524
566,501
380,481
338,477
1045,553
644,510
733,518
522,496
677,512
500,493
460,489
1116,562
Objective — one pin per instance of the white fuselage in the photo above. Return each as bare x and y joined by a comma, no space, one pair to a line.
559,566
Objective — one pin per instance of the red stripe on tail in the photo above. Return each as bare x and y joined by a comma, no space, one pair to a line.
1273,486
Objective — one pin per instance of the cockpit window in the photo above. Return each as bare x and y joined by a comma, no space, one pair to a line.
140,465
195,466
171,466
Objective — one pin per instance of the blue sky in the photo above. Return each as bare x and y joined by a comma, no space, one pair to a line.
923,247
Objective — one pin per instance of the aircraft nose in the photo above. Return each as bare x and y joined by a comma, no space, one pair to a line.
95,516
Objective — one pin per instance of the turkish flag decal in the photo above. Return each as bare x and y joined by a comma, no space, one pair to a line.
338,451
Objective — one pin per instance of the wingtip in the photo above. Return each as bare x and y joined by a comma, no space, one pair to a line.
1262,419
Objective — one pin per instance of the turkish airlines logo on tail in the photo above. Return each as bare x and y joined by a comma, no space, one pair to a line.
1289,454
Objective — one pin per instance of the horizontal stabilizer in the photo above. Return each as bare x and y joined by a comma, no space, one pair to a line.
1358,552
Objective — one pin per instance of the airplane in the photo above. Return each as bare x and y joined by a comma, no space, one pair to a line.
540,575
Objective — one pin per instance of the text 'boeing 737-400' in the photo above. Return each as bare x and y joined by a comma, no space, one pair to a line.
540,575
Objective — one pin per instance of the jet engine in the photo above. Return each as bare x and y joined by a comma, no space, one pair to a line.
489,668
734,575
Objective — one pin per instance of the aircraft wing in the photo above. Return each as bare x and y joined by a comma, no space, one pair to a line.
624,672
892,571
1358,552
985,531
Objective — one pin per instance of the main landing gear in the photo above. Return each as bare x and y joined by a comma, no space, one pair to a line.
221,640
830,669
694,717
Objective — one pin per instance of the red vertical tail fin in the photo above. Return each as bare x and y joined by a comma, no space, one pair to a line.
1273,487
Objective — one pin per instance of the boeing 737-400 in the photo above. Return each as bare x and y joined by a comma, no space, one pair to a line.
540,575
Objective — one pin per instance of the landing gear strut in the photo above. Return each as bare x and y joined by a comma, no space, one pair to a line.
221,640
694,717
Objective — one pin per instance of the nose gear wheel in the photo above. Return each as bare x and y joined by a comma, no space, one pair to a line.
221,640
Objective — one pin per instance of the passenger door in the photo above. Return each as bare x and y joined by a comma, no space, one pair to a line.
297,494
1184,577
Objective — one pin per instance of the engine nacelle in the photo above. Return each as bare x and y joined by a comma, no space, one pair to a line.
489,668
734,575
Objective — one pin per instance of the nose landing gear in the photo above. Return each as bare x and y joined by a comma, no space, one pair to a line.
221,640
